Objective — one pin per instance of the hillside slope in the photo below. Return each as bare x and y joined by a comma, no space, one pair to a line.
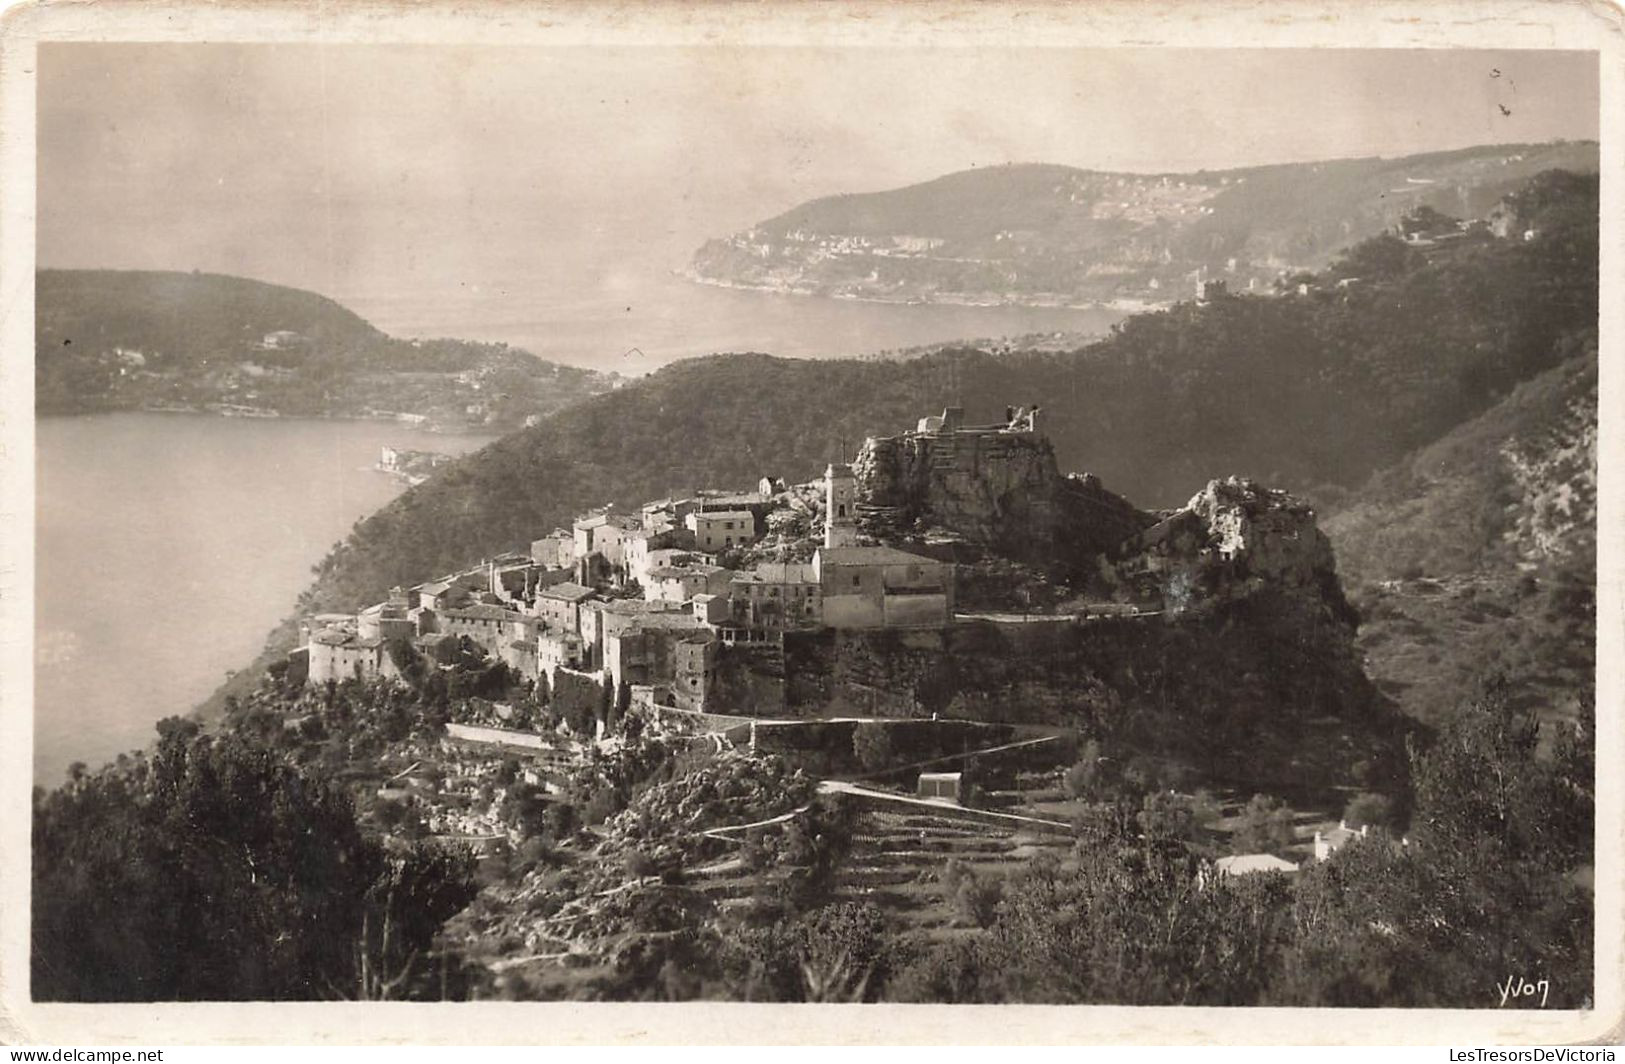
1478,553
132,339
1045,234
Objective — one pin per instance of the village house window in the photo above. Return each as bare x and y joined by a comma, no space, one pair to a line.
857,581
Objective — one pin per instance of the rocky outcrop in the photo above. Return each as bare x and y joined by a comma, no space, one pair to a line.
1554,482
1234,538
993,488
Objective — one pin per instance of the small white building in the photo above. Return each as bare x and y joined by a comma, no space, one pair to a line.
1251,863
1328,843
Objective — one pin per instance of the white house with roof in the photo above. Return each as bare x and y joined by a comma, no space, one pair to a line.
644,549
556,550
716,530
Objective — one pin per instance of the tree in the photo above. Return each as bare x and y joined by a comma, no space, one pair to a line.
1369,810
973,898
1089,777
1266,827
606,701
872,745
1382,258
223,874
389,813
1170,816
1483,886
561,821
623,702
416,892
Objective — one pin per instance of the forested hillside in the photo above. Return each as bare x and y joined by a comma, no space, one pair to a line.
130,339
1313,392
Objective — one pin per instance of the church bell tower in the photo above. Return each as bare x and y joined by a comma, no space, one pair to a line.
840,515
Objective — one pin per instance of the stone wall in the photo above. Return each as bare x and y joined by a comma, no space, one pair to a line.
576,694
472,733
748,680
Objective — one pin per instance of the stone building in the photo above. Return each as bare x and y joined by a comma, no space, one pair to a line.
559,606
489,626
883,587
694,669
645,649
556,550
716,530
602,620
342,654
680,583
603,533
776,595
840,506
386,621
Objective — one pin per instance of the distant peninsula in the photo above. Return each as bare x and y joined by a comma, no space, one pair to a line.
207,343
1044,235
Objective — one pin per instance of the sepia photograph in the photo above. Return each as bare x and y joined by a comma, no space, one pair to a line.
614,505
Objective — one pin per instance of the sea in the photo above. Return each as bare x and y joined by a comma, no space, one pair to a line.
169,545
167,548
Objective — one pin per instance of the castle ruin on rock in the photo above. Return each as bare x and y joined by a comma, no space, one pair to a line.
996,487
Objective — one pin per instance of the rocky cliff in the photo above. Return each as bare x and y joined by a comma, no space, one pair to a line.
1268,689
1234,538
992,489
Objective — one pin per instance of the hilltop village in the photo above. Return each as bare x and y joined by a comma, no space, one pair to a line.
771,602
649,598
930,633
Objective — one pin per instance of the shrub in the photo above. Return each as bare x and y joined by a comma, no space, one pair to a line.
973,898
639,863
1369,809
1266,826
872,745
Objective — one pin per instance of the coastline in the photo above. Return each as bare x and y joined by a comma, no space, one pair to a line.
1125,306
203,411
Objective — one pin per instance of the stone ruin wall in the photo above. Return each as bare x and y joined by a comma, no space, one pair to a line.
998,489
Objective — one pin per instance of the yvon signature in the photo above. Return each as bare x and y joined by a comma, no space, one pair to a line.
1516,989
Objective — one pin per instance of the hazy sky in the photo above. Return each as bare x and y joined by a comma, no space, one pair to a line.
355,169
